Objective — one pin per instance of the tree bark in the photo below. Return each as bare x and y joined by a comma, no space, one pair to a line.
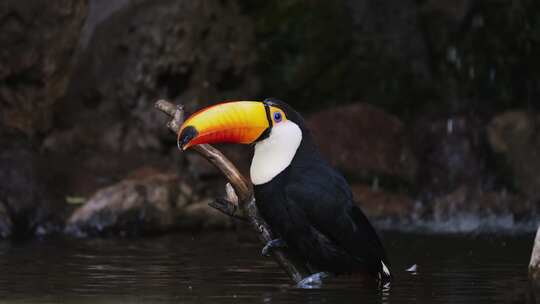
242,200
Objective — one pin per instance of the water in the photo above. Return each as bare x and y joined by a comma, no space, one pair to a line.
217,267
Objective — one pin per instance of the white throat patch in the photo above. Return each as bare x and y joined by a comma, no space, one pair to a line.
275,153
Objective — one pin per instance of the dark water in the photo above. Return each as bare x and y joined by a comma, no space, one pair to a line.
217,267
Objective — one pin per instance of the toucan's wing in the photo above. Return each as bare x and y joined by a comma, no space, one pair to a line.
326,199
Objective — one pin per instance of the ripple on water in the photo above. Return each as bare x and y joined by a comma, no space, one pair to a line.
216,267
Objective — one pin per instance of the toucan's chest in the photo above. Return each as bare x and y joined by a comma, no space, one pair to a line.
272,202
273,197
284,216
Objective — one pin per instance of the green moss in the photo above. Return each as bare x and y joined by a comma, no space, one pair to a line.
302,47
498,49
313,55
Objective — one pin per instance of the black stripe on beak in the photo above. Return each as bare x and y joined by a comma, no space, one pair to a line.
186,136
266,132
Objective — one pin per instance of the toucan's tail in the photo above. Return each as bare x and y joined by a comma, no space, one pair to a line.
372,248
385,277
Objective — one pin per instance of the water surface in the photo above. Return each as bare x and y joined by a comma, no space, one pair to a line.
218,267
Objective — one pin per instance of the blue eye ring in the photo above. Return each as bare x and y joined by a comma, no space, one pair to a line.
277,117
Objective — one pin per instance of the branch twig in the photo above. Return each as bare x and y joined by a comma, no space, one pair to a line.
245,201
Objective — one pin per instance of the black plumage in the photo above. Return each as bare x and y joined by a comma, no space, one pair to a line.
310,206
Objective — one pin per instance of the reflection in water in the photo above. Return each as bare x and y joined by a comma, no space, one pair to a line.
216,267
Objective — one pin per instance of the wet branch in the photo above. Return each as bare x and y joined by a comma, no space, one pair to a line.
534,264
240,202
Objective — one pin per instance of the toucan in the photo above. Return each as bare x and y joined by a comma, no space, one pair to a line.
306,202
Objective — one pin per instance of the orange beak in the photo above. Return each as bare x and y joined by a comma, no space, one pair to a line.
230,122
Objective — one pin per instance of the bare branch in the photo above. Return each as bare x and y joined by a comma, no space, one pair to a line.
176,112
244,191
534,264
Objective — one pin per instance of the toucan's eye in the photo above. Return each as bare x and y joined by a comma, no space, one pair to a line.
277,117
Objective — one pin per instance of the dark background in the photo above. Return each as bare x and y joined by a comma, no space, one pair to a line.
429,107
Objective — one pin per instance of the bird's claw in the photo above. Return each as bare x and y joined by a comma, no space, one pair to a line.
275,243
226,207
313,281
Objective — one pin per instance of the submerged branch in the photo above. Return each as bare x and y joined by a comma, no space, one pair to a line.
245,201
534,264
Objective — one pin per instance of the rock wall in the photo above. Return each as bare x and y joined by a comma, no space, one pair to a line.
195,52
515,137
30,202
37,44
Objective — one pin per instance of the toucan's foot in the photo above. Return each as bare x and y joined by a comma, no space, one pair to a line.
275,243
227,207
313,281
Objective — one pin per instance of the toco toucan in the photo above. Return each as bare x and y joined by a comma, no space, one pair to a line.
307,203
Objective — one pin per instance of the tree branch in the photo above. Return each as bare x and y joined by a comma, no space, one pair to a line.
534,264
245,201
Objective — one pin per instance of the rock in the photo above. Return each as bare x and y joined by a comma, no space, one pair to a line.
472,210
30,206
201,216
196,52
462,210
6,224
199,167
128,207
515,136
450,153
38,42
147,203
534,264
364,141
510,128
239,155
381,205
